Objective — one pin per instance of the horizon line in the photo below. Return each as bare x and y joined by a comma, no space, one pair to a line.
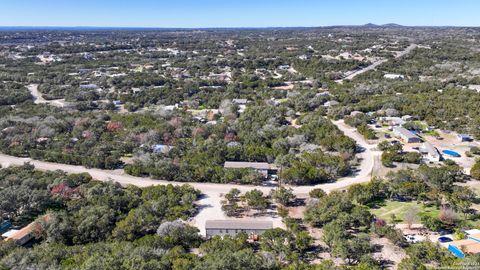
391,25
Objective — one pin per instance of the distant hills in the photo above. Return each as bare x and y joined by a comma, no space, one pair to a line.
106,28
382,25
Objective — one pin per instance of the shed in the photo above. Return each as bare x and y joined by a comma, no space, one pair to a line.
465,137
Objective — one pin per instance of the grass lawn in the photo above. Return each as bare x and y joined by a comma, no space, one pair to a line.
385,209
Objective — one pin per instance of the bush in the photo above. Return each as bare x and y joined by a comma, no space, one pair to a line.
475,171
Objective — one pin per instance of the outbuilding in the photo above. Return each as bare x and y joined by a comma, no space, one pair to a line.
465,137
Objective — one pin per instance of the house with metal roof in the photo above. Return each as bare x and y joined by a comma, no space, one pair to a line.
406,135
253,228
261,167
392,121
432,152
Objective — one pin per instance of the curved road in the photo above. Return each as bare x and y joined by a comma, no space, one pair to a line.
210,206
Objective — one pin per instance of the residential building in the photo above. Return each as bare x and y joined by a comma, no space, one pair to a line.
253,228
264,168
392,121
471,245
432,152
25,234
406,135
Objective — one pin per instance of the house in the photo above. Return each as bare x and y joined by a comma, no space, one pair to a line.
471,245
432,153
393,76
392,121
252,228
9,233
264,168
465,137
406,135
24,235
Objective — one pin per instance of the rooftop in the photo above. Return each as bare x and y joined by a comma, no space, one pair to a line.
431,150
468,245
404,132
239,224
253,165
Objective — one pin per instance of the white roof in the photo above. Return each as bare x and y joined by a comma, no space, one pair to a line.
9,233
431,150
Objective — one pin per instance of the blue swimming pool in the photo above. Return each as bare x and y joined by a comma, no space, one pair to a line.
451,153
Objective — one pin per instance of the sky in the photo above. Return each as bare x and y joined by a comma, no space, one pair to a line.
237,13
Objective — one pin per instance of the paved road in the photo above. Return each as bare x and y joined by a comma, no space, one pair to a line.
210,203
376,64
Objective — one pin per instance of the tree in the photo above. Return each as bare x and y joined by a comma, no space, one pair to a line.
233,195
256,200
278,241
461,199
353,249
328,209
448,216
283,195
475,170
411,216
317,193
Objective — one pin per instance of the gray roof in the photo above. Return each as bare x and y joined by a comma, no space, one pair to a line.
393,120
239,224
404,132
240,100
252,165
431,150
